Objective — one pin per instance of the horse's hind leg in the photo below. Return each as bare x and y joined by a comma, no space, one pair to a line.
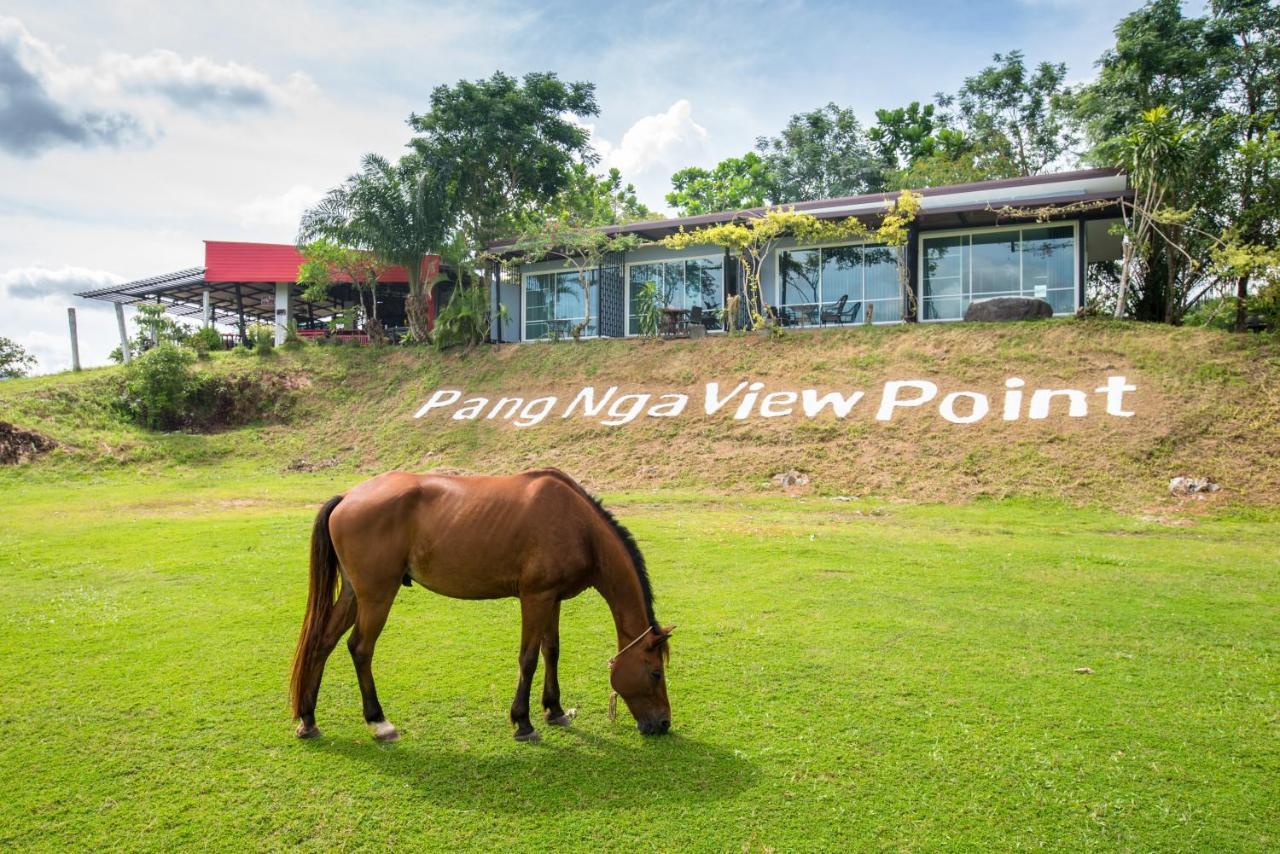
341,618
371,616
535,617
551,677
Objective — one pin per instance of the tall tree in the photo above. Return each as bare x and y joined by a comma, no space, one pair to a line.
400,212
591,199
511,144
1013,115
1251,92
820,154
734,183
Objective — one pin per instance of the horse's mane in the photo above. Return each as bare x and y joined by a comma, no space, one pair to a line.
628,541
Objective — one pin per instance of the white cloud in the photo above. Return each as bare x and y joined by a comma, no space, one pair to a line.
37,283
47,103
35,303
655,147
281,210
198,81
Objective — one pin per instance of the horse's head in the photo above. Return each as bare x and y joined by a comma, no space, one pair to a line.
639,676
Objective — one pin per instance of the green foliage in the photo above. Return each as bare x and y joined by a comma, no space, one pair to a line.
292,340
818,155
648,309
510,145
263,338
325,261
15,361
158,385
733,184
465,320
396,212
594,200
1014,115
204,341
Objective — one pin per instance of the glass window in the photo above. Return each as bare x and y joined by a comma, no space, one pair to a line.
1033,262
684,284
837,284
555,303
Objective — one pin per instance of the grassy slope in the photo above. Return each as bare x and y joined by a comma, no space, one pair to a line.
1208,403
845,674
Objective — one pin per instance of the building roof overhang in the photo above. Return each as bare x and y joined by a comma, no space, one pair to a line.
978,203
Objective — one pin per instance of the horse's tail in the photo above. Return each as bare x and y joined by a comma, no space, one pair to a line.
320,598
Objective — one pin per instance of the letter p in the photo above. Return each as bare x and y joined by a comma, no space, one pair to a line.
890,400
441,397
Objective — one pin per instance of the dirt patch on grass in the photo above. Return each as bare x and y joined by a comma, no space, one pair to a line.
20,446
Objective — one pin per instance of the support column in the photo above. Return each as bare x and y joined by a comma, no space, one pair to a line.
284,310
1082,264
208,310
75,342
911,313
244,333
124,334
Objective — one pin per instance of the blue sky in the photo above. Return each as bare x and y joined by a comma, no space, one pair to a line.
131,131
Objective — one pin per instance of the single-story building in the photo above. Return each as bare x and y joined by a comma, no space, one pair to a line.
247,283
964,245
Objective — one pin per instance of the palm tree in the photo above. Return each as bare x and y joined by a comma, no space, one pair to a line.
399,212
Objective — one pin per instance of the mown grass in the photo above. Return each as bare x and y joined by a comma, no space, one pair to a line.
847,674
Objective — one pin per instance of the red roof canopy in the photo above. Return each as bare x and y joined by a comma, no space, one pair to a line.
234,261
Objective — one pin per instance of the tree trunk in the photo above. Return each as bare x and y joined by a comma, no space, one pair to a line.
1242,295
416,307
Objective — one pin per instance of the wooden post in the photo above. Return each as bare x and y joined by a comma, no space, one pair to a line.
124,334
75,344
871,310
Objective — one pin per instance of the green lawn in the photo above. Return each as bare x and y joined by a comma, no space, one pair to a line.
845,674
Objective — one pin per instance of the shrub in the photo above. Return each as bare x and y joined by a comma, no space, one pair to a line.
158,385
292,340
205,340
263,338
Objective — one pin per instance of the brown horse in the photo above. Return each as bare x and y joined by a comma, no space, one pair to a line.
537,536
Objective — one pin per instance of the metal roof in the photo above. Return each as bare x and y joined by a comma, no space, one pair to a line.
943,207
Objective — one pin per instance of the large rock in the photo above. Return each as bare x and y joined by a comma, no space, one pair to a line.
1008,308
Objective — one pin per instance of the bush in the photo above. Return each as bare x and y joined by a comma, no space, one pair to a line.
158,385
205,340
292,340
263,338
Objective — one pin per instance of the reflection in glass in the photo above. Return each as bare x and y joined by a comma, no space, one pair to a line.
682,284
1032,262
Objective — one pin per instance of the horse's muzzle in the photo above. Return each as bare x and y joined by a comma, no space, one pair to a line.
658,726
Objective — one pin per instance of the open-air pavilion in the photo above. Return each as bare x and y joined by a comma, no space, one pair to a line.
242,284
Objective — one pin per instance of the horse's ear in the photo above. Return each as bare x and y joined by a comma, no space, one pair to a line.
660,637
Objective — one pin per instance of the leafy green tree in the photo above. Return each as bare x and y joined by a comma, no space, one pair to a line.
820,154
511,145
1250,69
734,183
15,361
591,199
325,261
1014,116
398,212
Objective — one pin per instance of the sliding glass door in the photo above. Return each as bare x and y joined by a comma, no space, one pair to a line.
1030,262
684,284
556,303
838,285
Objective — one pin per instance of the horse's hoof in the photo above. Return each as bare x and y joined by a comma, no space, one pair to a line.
531,736
564,720
384,731
304,731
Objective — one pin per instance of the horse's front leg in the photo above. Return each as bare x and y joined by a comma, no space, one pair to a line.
555,715
535,616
